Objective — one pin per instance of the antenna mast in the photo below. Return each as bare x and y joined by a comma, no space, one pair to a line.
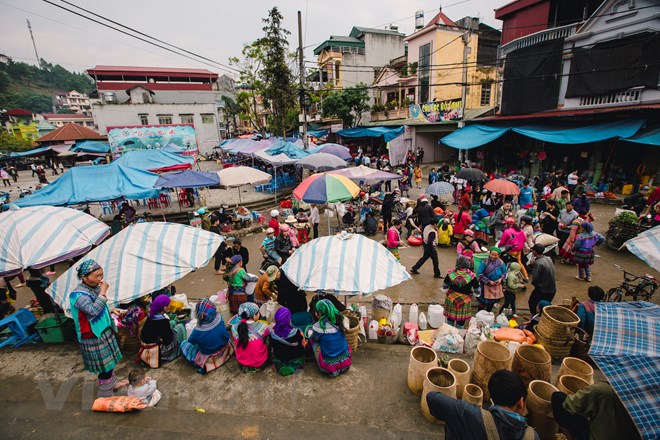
34,44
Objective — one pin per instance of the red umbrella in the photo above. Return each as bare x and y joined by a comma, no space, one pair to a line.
502,186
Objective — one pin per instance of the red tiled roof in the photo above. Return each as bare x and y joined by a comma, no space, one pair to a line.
70,132
149,71
19,112
65,116
442,19
577,112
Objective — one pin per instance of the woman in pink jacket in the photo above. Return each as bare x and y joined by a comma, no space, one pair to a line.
393,238
513,239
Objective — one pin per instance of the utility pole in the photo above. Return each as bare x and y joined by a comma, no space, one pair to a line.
34,44
303,100
466,51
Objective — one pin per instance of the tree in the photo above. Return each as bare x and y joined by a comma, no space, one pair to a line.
278,89
9,142
232,110
251,85
347,104
65,111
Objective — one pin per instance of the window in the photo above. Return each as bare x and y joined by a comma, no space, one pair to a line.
144,119
164,119
424,71
186,119
208,119
485,94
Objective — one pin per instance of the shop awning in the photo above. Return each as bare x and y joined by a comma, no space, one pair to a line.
30,152
651,137
557,132
388,133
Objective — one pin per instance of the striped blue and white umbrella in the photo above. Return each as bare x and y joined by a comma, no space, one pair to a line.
348,264
41,235
141,259
439,188
646,246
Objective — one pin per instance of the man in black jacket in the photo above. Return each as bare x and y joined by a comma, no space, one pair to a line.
429,240
235,247
425,214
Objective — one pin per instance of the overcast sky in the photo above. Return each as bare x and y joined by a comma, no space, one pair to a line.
215,29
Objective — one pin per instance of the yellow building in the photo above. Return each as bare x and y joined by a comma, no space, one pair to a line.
22,124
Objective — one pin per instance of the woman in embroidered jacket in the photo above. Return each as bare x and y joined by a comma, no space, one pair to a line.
333,355
250,337
287,344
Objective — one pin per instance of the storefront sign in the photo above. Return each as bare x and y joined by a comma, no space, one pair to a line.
438,111
334,128
149,137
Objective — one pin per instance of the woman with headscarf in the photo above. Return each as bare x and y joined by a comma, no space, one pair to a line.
492,274
208,346
238,279
566,251
287,344
160,339
250,336
583,250
94,327
332,353
460,284
468,246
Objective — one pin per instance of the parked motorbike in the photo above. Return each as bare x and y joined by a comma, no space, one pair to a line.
22,192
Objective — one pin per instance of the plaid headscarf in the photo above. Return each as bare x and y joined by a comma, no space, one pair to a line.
463,262
328,312
158,304
247,310
87,267
205,311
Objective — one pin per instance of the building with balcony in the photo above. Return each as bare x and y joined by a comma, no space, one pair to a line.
72,100
132,96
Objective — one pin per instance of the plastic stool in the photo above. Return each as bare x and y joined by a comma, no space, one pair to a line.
21,325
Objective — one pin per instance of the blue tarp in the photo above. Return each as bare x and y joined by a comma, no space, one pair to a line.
388,133
30,152
91,147
557,132
651,137
289,149
95,184
188,179
154,160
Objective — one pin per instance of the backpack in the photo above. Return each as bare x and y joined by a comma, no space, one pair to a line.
491,428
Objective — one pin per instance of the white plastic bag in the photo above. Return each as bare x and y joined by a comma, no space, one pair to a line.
472,339
502,320
485,317
449,343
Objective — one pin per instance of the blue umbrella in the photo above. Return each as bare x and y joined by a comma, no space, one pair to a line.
439,188
187,179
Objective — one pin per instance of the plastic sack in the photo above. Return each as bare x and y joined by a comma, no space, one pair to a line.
502,320
485,317
118,404
514,334
472,339
268,309
182,298
449,343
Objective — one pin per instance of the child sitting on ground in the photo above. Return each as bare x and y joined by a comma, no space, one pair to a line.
444,233
144,387
514,285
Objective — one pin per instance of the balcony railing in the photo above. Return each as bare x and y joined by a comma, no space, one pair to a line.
538,37
626,97
386,115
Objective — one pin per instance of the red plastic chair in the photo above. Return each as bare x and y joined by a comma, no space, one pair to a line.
164,200
153,203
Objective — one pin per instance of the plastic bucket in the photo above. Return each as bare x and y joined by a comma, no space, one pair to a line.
51,331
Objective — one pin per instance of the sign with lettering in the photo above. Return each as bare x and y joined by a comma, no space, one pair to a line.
438,111
149,137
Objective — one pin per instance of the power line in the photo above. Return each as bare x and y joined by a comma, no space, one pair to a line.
133,36
148,36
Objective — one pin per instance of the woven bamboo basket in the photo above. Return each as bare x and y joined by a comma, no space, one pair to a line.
532,363
540,409
489,357
558,322
462,372
556,348
581,344
576,367
422,359
570,384
130,344
440,380
473,394
353,330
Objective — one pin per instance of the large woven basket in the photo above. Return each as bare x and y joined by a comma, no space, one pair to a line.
556,348
130,344
353,330
558,323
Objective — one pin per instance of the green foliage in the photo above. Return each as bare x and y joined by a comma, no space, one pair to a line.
347,104
278,89
30,87
250,68
65,111
9,142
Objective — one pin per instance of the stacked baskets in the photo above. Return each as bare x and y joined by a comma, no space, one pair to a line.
555,330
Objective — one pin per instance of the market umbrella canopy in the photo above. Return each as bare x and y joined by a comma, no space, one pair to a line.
646,247
471,174
335,149
321,162
349,264
187,179
141,259
366,174
439,188
43,235
326,187
233,177
626,348
502,186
